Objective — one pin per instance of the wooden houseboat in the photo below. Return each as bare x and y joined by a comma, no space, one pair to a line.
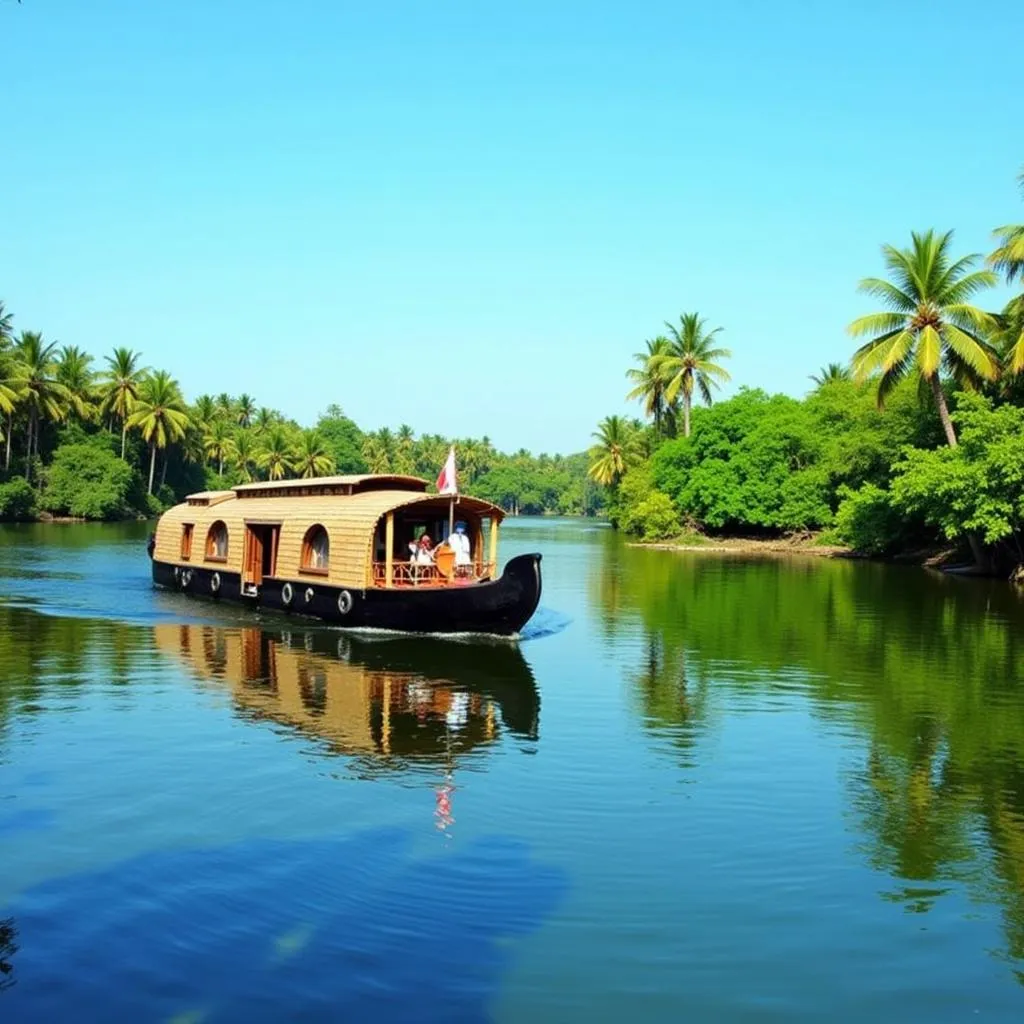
338,548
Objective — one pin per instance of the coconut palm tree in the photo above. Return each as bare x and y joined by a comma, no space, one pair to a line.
119,388
225,405
204,411
650,382
311,458
6,328
75,373
245,409
159,414
375,454
218,442
404,450
608,456
275,453
244,455
9,395
690,363
40,392
1008,259
265,419
831,374
929,325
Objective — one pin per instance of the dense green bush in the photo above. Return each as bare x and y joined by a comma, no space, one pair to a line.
751,463
17,500
976,487
89,481
868,522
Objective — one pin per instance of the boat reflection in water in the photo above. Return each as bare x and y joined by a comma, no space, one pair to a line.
386,703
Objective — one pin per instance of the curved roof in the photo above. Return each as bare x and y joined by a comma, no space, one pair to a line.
356,481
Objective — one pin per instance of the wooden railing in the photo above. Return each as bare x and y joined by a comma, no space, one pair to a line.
410,574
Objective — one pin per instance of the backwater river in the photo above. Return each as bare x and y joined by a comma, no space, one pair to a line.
702,787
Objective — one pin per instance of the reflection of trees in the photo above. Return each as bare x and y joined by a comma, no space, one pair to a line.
670,703
8,947
929,668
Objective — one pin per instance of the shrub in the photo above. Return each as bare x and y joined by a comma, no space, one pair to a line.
17,500
88,481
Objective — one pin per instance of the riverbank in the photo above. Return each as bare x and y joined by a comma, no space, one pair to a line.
947,558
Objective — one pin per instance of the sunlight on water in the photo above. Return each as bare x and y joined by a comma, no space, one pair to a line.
699,788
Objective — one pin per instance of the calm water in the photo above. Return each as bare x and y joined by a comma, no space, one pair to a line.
702,788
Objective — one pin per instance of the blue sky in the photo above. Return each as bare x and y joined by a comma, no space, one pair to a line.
468,216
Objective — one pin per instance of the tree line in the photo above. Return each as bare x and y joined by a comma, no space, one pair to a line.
119,439
917,441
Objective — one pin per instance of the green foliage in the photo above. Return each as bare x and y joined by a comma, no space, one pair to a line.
977,486
343,440
91,482
17,500
868,522
751,463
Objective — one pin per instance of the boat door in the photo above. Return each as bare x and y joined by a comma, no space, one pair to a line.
260,559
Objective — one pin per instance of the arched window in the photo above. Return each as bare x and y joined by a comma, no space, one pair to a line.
217,542
316,550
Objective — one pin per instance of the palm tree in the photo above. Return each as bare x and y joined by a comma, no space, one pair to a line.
159,414
831,374
275,453
311,458
218,442
44,396
225,405
244,455
375,454
690,363
8,386
74,372
650,381
1008,259
246,409
204,411
930,325
119,388
6,328
265,419
404,460
608,456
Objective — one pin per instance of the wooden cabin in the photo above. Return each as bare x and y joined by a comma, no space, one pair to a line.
340,531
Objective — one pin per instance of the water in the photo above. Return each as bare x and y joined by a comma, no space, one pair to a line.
703,787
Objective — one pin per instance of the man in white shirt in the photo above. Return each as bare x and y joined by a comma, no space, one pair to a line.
459,543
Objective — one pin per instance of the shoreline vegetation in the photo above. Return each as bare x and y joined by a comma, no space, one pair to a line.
914,451
81,442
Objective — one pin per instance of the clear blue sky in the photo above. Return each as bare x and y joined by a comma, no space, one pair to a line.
309,200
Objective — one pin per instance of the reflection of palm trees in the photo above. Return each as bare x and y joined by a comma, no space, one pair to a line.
671,704
8,947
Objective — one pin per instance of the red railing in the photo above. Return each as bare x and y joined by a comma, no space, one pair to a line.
410,574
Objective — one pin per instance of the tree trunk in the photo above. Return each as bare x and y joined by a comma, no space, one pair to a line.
152,464
124,437
940,403
220,465
10,430
686,415
981,558
163,468
28,446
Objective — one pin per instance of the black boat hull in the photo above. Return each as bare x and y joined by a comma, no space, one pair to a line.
498,607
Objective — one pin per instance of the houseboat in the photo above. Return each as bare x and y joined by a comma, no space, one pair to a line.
364,552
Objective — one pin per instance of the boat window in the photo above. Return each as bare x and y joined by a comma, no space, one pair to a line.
316,550
186,541
217,542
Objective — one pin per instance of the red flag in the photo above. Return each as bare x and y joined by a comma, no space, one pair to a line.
446,482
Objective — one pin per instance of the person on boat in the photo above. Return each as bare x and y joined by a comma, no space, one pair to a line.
425,549
459,543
